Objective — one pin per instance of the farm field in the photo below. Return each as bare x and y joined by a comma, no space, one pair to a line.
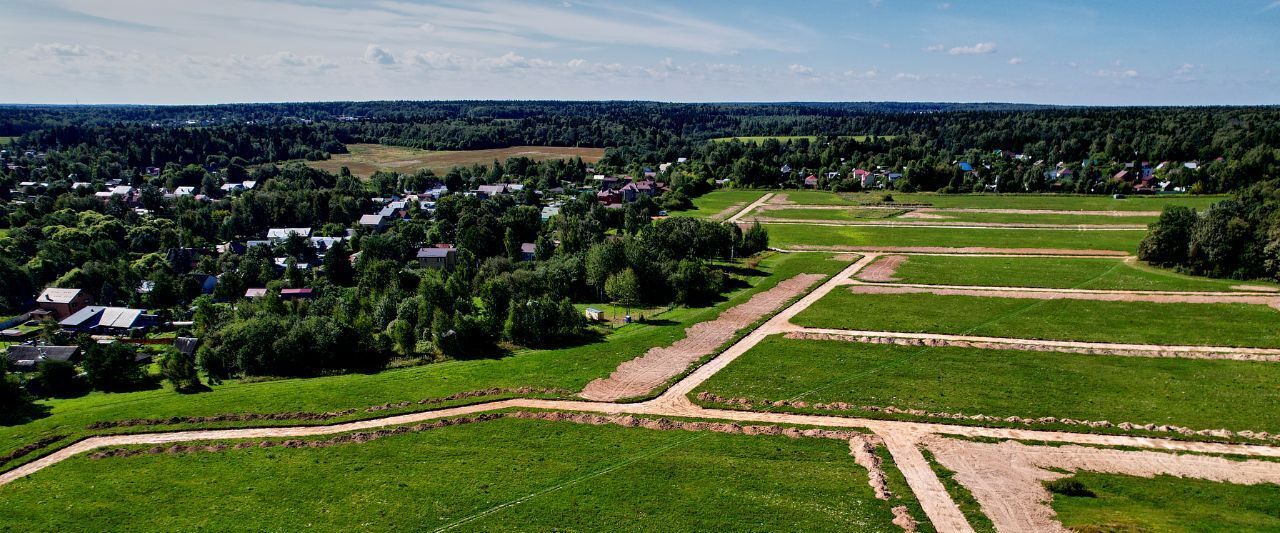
506,474
567,368
1056,272
365,159
7,140
1196,393
786,236
1061,202
855,214
718,202
1208,324
1168,503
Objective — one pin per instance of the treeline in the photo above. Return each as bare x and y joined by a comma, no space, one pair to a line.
927,139
1236,238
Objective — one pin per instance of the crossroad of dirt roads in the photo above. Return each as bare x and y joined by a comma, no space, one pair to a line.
1005,478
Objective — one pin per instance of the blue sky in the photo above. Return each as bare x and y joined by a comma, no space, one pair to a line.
1084,52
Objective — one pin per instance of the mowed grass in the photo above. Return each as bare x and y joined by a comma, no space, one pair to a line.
1059,202
835,237
716,202
7,140
1055,272
567,368
508,474
1218,324
863,214
365,159
1168,503
1198,393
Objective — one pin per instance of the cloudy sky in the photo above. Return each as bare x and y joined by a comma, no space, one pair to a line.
1038,51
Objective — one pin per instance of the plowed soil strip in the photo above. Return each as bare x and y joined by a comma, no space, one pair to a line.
882,270
964,250
643,374
1233,353
1007,478
1188,298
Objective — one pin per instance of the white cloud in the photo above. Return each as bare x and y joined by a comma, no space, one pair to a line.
944,5
800,70
1117,73
935,48
979,48
1186,68
378,56
1015,61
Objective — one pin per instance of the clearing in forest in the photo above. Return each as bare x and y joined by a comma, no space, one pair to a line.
365,159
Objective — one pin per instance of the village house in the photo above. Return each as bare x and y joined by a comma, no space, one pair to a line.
108,320
527,251
27,357
63,303
279,234
438,258
373,222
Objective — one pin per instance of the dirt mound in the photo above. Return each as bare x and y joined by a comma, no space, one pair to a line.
1029,345
1064,295
642,375
864,453
902,518
883,269
23,451
748,404
1007,478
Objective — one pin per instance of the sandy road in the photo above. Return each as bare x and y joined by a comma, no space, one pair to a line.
761,201
902,438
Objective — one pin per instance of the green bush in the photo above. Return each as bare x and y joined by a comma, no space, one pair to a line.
1070,486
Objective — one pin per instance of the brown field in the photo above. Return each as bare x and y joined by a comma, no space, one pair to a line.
365,159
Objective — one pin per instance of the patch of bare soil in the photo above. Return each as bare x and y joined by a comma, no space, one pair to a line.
924,214
1255,288
749,404
902,518
640,376
781,199
1007,478
728,211
1029,345
845,257
1062,295
883,269
961,250
668,424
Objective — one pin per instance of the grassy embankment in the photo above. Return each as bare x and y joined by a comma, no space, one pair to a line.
1197,393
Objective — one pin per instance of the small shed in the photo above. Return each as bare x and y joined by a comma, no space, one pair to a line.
593,314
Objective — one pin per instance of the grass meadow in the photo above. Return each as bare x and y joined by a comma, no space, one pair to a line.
507,474
1219,324
814,236
715,202
365,159
856,214
1057,273
1198,393
1168,504
1058,202
566,368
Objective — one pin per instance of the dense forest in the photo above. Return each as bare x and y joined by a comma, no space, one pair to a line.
1232,146
1237,238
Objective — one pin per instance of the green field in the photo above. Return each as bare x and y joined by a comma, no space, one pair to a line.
855,214
1061,202
568,368
1198,393
715,202
1055,272
7,140
1168,503
1068,320
508,474
789,138
365,159
792,235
